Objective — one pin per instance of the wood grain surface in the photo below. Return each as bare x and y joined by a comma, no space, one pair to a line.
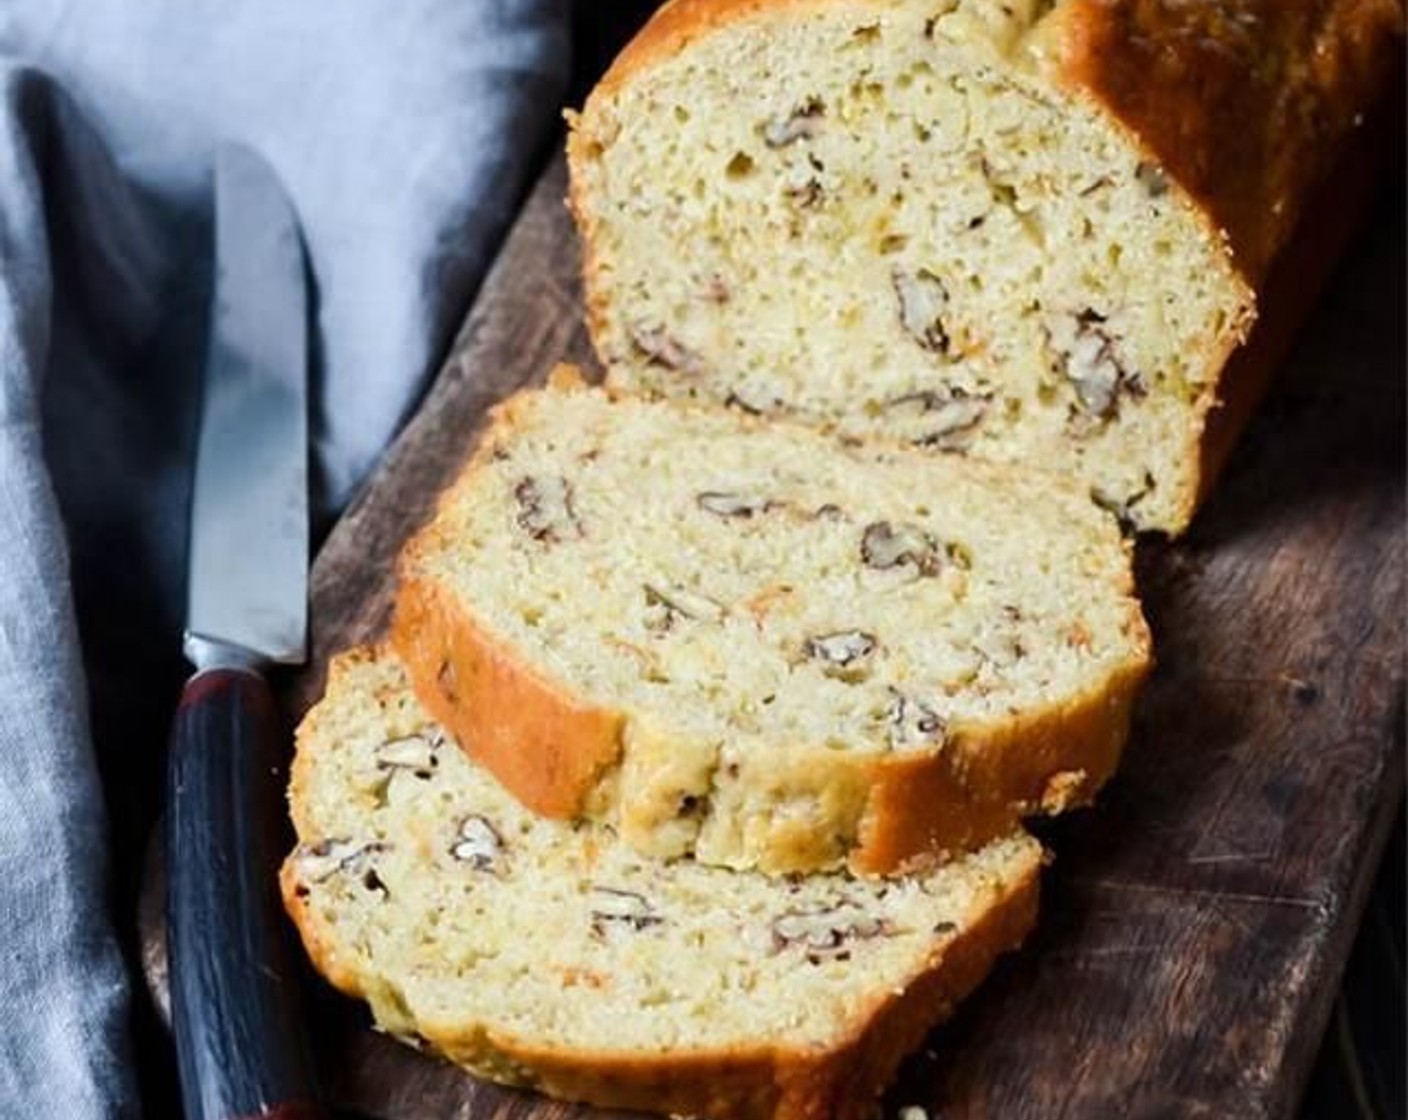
1195,922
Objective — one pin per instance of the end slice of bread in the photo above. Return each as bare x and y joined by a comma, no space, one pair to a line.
548,955
975,225
748,642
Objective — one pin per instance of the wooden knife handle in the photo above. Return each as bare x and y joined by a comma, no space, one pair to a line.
240,1044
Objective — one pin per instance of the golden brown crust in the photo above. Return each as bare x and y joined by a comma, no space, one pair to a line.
552,748
339,973
548,748
982,785
763,1082
1295,282
490,702
1257,110
674,25
1246,104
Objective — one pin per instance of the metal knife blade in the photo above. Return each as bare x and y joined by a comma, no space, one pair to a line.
249,510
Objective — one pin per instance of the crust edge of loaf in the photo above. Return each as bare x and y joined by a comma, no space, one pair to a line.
434,637
1296,280
550,749
1366,50
1053,756
678,23
763,1083
1041,762
777,1083
921,809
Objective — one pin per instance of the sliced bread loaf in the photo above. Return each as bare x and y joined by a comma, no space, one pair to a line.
548,955
750,642
1013,228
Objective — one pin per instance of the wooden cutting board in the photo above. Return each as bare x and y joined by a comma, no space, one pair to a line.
1195,924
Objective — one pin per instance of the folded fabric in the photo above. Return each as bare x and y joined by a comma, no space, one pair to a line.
404,131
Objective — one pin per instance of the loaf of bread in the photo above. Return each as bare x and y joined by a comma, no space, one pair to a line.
747,641
549,955
1026,230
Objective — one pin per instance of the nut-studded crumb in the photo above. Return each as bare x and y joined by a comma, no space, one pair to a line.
576,945
904,205
545,509
765,589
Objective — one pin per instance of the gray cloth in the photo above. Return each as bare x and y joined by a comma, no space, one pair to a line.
404,131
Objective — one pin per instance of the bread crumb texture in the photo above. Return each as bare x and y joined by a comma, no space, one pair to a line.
805,642
551,955
897,219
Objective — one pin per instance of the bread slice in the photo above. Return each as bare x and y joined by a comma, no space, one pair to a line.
548,955
1010,228
746,641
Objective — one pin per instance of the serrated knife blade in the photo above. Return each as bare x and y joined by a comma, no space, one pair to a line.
248,590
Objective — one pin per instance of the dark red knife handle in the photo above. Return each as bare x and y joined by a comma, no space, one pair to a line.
240,1044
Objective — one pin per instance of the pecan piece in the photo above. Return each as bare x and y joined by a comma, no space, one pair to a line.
664,349
923,302
615,908
913,723
884,545
319,862
1152,178
1086,354
416,753
478,843
947,418
826,932
723,504
678,602
841,648
545,510
802,123
1122,508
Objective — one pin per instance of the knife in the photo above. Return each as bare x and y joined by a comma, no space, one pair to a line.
240,1047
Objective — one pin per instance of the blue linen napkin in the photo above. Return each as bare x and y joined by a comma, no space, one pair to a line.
403,131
